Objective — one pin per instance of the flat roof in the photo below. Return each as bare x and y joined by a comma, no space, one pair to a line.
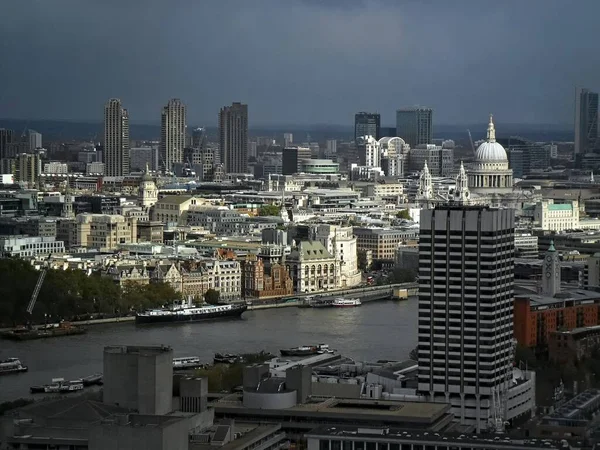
423,412
575,295
388,434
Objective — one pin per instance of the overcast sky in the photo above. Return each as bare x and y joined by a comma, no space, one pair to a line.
299,61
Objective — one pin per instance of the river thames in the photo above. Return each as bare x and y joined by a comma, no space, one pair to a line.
377,330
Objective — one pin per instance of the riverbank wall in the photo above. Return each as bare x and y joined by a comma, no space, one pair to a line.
366,294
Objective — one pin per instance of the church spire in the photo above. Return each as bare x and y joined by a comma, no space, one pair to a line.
491,131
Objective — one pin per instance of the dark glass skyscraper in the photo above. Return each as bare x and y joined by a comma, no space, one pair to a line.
367,124
233,138
586,122
415,125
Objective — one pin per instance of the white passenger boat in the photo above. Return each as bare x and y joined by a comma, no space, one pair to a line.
346,302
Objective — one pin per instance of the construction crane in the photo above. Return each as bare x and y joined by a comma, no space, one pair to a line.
38,287
471,139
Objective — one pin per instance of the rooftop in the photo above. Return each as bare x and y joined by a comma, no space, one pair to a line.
390,434
137,350
364,409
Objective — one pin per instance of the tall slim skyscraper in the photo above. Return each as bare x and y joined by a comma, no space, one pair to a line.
367,124
233,137
35,140
415,125
6,137
586,122
172,134
466,275
116,139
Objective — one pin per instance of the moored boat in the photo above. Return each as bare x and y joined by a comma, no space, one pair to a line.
95,379
12,365
187,362
346,302
43,331
186,311
227,358
58,385
305,350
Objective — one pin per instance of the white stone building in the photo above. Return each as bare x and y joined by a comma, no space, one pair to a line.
312,268
341,243
556,216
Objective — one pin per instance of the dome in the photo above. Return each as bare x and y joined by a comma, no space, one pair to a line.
491,151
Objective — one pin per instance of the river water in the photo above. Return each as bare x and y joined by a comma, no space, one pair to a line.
377,330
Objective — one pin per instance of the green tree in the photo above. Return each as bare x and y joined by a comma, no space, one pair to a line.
363,263
212,297
401,275
269,210
403,214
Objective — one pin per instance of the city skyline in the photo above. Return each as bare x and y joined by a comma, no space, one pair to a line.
447,68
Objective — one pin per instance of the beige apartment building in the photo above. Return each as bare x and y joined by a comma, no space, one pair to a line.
383,242
171,208
105,231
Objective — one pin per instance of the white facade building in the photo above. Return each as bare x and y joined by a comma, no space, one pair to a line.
341,243
22,246
556,216
56,168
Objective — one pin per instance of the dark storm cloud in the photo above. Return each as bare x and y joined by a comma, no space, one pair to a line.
299,61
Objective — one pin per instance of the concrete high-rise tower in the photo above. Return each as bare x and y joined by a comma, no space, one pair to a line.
233,138
551,272
415,125
466,277
172,134
116,139
586,122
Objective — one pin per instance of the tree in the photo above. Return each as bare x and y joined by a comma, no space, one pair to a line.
414,354
362,261
269,210
400,275
403,214
212,297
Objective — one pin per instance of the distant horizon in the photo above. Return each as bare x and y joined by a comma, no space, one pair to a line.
561,126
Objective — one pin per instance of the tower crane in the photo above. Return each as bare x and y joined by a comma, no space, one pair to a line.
471,139
38,286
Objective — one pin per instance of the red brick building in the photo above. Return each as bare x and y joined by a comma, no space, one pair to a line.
537,316
260,284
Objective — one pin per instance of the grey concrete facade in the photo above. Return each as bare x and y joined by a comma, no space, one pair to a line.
139,378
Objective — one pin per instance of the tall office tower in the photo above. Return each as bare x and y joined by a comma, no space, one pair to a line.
288,139
367,124
292,157
35,140
331,148
172,134
116,139
233,138
586,122
466,275
415,125
6,137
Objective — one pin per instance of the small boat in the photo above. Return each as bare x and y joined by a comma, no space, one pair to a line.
346,302
188,362
227,358
71,386
95,379
58,385
12,365
305,350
